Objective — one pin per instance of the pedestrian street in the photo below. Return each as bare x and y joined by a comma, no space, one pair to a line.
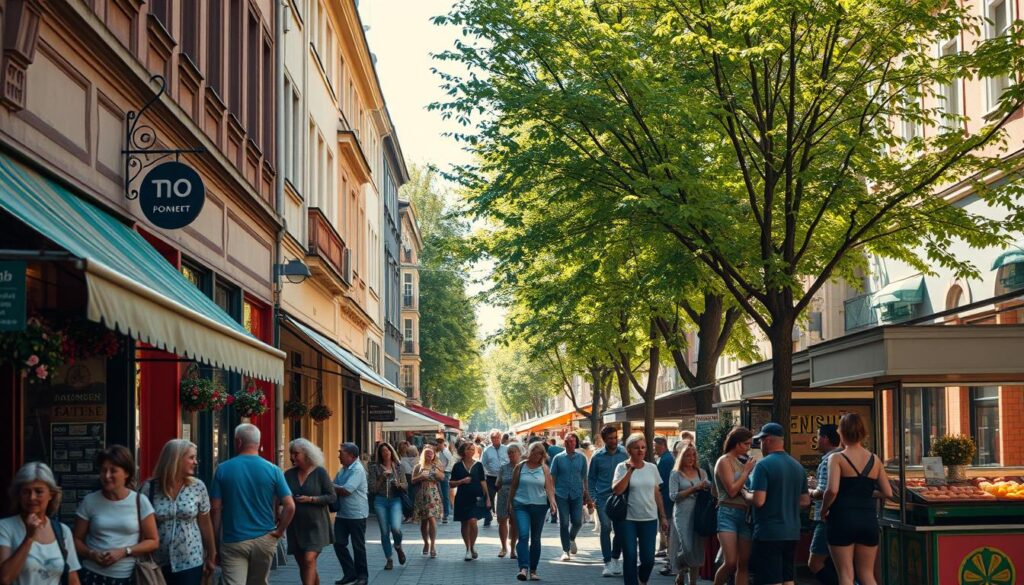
449,568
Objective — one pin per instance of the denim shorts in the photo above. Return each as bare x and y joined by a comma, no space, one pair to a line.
734,520
819,541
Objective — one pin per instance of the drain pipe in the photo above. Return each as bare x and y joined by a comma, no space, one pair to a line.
279,9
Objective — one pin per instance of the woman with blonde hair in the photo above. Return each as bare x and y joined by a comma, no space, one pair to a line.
428,509
34,548
311,486
686,547
182,507
531,497
645,510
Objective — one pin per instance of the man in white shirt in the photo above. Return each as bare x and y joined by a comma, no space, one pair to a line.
494,456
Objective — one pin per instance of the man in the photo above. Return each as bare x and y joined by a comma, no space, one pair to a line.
350,521
246,493
494,456
778,491
819,562
599,478
569,470
553,449
447,460
666,462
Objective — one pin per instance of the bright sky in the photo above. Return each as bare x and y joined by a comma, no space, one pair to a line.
403,38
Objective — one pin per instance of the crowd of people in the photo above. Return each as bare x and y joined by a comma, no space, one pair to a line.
175,522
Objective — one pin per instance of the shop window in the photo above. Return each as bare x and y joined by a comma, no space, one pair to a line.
985,424
925,421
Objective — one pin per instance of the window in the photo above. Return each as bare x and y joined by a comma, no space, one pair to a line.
407,380
235,57
985,424
190,30
197,276
997,12
267,93
214,45
288,156
409,345
321,175
407,292
924,421
252,101
296,115
909,128
331,195
161,10
950,92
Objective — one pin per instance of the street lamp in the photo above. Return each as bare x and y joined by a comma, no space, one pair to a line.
294,270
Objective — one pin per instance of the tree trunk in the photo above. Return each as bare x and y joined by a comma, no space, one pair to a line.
781,338
654,366
622,379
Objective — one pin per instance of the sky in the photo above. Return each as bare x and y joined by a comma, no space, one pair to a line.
403,38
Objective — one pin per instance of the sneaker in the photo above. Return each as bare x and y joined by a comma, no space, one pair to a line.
522,575
617,566
608,571
346,581
533,576
469,555
444,520
572,547
564,557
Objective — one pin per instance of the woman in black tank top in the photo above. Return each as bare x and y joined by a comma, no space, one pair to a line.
850,507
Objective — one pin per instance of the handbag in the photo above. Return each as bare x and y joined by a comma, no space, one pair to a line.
617,506
705,514
146,571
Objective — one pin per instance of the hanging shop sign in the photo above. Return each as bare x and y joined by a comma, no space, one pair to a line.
12,295
172,195
380,411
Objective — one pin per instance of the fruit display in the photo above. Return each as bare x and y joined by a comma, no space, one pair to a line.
979,489
1001,487
952,493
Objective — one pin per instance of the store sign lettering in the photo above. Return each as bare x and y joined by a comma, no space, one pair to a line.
12,296
172,195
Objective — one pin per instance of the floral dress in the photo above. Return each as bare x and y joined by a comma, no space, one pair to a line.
428,497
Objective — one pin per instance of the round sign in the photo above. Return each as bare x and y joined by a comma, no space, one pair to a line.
987,566
172,195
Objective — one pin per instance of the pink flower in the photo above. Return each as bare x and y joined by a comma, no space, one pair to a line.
41,372
32,361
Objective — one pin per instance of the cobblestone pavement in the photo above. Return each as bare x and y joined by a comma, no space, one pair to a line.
449,568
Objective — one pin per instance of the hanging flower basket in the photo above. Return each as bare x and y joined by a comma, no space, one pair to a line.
320,412
85,339
295,409
199,393
250,401
35,352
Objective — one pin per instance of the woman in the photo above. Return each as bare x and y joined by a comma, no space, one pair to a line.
386,484
645,510
506,519
409,458
686,547
446,458
470,496
182,507
115,524
310,529
849,507
427,476
35,550
532,495
734,533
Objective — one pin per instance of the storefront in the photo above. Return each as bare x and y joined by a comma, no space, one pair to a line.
556,424
110,325
411,426
673,410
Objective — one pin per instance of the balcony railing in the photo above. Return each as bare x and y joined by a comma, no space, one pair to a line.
858,314
325,242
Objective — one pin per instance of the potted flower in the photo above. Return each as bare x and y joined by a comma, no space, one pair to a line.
85,339
250,401
199,393
957,452
34,351
320,412
295,409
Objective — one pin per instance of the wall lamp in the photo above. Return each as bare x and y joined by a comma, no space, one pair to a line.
294,270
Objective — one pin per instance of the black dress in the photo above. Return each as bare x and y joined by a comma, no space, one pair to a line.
469,496
310,529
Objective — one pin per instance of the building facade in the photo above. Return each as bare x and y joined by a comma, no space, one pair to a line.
394,175
412,246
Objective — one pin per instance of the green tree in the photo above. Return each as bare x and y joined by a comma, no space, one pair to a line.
763,137
520,384
451,372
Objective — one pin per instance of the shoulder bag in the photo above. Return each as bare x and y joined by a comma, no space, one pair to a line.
705,514
617,505
146,572
58,532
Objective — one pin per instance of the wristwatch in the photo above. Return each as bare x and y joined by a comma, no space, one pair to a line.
128,551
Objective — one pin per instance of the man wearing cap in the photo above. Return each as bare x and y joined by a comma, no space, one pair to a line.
778,491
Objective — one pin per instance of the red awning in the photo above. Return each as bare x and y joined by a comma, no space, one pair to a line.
445,420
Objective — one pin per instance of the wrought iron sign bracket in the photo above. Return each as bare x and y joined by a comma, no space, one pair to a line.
140,141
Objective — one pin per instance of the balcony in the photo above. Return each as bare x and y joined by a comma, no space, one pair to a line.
410,348
858,314
328,257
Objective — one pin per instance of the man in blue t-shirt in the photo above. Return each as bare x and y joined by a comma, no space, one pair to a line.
245,495
778,492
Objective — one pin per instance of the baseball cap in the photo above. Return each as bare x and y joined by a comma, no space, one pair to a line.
773,428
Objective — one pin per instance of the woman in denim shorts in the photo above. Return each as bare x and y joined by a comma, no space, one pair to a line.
734,532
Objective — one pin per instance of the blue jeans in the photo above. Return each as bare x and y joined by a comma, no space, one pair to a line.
570,517
611,548
530,521
389,519
643,534
446,494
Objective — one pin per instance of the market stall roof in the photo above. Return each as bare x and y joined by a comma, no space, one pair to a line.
550,421
668,405
443,419
131,287
370,381
409,420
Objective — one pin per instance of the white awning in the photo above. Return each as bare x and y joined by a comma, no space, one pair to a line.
407,420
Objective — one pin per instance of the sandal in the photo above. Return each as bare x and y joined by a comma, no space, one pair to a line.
433,553
401,555
513,555
389,565
502,554
426,549
534,577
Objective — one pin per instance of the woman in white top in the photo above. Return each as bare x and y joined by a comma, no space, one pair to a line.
108,531
35,550
407,462
644,513
182,505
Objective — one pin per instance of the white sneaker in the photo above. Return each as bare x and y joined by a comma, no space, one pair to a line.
608,570
572,546
469,555
617,566
564,557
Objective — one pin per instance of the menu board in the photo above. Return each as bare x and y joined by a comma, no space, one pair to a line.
73,449
804,421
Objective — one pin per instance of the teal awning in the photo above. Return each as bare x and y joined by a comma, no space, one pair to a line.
909,291
131,287
1014,255
350,362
